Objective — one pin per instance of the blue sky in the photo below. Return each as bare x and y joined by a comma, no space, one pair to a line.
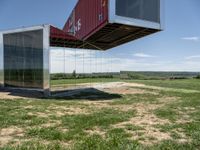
177,48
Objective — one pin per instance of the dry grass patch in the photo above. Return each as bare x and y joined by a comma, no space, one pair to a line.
28,107
60,111
96,131
39,114
159,88
147,120
66,144
93,105
167,100
182,138
124,88
185,114
10,134
52,123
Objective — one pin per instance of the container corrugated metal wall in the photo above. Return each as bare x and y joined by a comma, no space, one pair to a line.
87,17
57,33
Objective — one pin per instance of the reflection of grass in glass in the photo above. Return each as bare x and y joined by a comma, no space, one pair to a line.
85,80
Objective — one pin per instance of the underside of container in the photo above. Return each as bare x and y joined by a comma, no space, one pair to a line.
59,38
111,23
113,35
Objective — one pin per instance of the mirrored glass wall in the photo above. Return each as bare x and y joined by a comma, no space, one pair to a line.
79,69
23,59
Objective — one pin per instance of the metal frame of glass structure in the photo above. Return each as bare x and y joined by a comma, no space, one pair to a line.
20,67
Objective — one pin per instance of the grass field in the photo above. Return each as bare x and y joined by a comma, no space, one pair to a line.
191,84
152,114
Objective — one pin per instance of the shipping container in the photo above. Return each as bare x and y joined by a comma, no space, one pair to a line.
58,38
87,17
109,23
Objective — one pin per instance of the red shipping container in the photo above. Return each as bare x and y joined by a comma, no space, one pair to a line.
105,24
59,38
87,17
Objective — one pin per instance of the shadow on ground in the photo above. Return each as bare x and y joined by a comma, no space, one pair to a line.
9,93
78,94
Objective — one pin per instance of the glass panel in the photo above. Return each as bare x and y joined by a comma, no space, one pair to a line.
139,9
23,59
79,70
63,69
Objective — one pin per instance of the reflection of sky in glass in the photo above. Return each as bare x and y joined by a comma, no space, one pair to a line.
87,61
83,61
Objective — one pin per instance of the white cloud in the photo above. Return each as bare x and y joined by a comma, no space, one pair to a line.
143,55
193,57
194,38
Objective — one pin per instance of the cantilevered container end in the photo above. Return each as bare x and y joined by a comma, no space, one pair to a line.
110,23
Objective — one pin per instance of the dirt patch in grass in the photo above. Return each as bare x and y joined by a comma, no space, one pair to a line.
75,111
181,137
10,134
66,144
158,88
52,123
127,90
39,114
123,88
93,106
147,120
101,103
28,107
185,114
167,100
120,84
96,131
60,111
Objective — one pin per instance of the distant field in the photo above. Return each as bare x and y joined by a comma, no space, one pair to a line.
193,84
136,114
157,74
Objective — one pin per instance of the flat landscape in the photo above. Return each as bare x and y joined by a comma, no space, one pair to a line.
116,114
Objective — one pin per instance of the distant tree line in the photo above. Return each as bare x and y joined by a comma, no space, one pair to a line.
128,75
198,76
148,75
74,75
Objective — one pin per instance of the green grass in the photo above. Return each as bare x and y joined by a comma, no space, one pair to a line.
189,84
78,125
